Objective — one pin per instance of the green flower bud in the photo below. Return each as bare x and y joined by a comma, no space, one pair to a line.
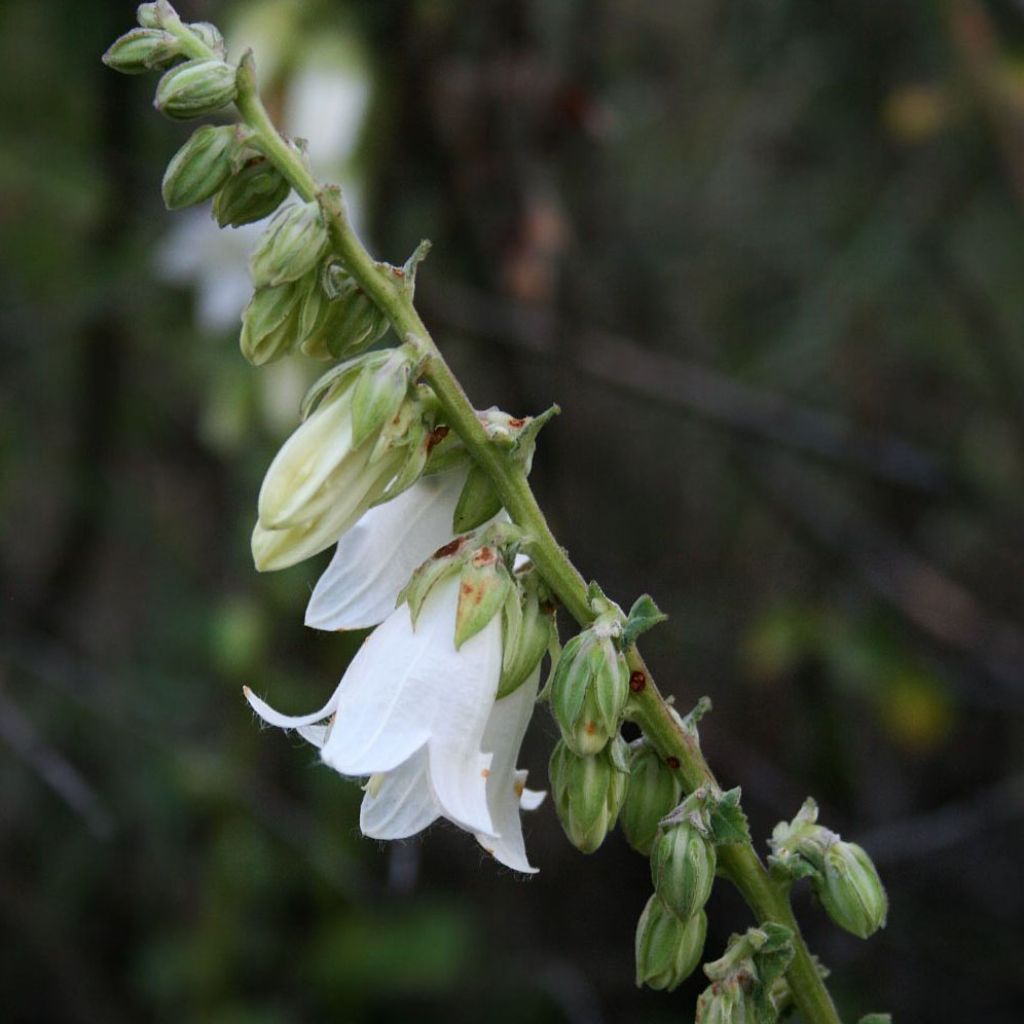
269,323
588,791
250,194
725,1003
292,245
529,625
210,35
667,949
142,50
154,15
199,168
340,320
683,862
850,890
590,687
195,88
653,792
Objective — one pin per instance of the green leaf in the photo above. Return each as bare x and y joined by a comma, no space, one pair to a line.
728,822
642,616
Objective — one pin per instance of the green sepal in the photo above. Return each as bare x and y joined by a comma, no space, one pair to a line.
328,382
441,565
525,443
411,266
199,169
477,503
528,625
142,50
642,616
195,89
565,688
727,821
484,585
378,395
253,192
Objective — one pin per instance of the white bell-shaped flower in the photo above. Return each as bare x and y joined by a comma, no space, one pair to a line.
409,693
376,557
401,803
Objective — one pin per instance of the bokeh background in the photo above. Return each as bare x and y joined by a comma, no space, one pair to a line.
767,256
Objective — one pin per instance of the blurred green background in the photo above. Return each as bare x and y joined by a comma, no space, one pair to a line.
766,255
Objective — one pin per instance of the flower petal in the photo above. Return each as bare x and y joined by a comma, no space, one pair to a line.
300,722
400,803
506,727
375,559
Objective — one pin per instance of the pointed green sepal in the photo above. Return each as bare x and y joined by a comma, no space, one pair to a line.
379,394
484,585
477,503
529,621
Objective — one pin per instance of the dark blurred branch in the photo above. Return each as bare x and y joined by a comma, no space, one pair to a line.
21,736
707,394
942,609
947,826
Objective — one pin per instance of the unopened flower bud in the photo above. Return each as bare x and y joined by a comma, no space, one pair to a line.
211,36
653,792
269,323
199,168
667,949
153,15
320,483
589,688
253,192
195,88
292,245
588,791
725,1002
683,862
339,319
529,625
142,50
850,890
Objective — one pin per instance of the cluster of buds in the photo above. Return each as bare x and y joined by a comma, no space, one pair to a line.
588,691
747,983
197,79
670,933
842,874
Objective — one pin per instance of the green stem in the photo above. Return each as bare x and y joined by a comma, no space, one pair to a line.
767,899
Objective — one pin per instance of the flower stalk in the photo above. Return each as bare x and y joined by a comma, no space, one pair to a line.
767,897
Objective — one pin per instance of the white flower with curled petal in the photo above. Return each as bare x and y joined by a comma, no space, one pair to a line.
401,803
410,694
376,557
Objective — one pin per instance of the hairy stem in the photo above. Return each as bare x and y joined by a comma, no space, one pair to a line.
767,898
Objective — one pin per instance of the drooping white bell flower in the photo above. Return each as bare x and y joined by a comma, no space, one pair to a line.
376,557
409,693
401,803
